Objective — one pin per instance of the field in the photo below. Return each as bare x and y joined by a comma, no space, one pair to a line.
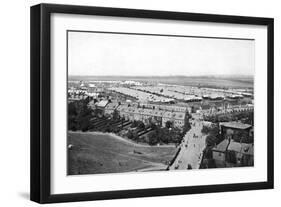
94,153
202,81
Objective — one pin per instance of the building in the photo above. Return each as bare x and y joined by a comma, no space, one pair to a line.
101,105
228,109
110,107
242,153
219,153
164,107
231,129
230,152
177,118
147,115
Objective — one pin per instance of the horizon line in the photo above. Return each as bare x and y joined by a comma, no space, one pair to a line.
161,75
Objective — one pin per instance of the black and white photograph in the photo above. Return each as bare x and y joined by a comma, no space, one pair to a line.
139,102
133,103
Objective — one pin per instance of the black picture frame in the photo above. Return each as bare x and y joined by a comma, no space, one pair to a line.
40,102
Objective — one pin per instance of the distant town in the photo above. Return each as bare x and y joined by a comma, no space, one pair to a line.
130,125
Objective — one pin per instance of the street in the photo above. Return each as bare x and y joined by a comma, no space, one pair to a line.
192,147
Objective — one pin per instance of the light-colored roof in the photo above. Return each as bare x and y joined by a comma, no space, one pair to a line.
92,85
102,103
234,146
235,125
222,146
113,105
243,148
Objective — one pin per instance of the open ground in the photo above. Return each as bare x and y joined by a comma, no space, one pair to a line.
94,153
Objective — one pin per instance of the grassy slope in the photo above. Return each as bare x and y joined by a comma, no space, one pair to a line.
94,154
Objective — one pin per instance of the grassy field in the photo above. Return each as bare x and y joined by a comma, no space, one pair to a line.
95,153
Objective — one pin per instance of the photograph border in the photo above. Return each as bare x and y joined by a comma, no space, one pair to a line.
40,81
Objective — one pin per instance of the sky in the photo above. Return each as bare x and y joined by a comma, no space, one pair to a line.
107,54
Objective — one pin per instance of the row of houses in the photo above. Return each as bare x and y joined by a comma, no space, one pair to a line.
158,114
79,94
167,107
227,110
160,117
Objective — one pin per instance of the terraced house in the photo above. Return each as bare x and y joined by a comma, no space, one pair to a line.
157,116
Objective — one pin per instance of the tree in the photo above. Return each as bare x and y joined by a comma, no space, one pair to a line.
108,128
176,135
84,115
205,130
134,124
140,125
152,138
153,126
208,154
211,130
72,113
169,124
79,115
97,112
132,135
115,115
211,140
187,125
84,124
193,109
163,135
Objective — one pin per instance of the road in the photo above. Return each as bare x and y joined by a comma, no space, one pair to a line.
192,147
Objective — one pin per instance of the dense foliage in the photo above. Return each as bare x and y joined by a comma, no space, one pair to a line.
79,115
213,136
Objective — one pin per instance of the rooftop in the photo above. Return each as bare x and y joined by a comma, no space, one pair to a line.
241,147
222,146
102,103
